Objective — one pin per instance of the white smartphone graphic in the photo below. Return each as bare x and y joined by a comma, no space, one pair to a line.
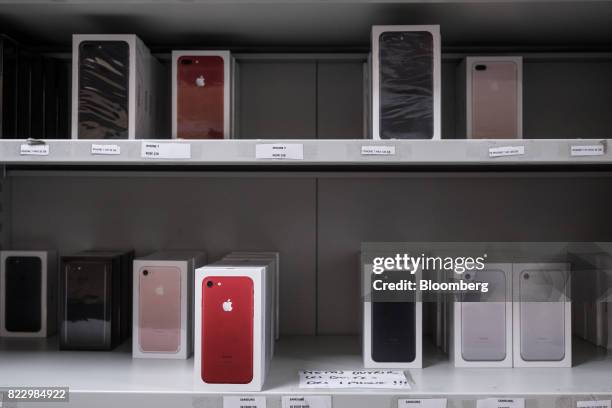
542,314
483,321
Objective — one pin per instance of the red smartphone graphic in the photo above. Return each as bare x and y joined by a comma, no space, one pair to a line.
159,309
200,97
227,330
495,100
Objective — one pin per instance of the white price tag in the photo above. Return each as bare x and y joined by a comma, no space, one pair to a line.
154,150
105,149
279,151
378,150
34,150
422,403
307,401
506,151
501,403
381,379
594,404
590,150
244,402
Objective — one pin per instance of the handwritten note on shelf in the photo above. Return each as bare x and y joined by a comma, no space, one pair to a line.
381,379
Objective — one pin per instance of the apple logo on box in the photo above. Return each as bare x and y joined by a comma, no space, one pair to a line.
200,81
159,290
227,306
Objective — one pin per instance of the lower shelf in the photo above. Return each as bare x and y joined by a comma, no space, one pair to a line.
28,362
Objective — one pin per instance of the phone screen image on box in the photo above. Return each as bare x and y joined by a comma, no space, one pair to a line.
23,294
103,92
406,85
227,330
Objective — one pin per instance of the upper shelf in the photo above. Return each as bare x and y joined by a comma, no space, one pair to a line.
363,152
239,24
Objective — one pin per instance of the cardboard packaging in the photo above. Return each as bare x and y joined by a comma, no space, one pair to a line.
481,325
489,98
542,315
406,82
28,293
163,304
118,89
223,323
386,342
202,94
96,304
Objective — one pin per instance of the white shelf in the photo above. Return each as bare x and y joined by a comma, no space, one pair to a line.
38,363
316,152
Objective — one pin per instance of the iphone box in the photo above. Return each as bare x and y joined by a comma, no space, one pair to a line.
274,258
28,293
233,313
163,304
201,94
406,82
481,325
117,90
96,305
393,330
542,315
490,98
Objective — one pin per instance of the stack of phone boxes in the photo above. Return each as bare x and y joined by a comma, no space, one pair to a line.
234,324
202,94
406,82
117,90
28,293
392,329
163,304
96,307
490,98
524,322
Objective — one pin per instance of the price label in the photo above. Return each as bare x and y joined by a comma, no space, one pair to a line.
422,403
506,151
378,150
244,402
105,149
594,404
279,151
590,150
308,401
501,403
153,150
34,150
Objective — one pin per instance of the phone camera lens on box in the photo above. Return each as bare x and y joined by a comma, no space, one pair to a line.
145,272
209,284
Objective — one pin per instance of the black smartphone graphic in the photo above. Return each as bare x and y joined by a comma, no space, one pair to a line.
87,314
393,326
103,90
406,85
23,294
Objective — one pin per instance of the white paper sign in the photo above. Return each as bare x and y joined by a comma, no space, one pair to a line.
506,151
422,403
306,401
386,379
34,150
279,151
594,404
244,402
501,403
153,150
590,150
378,150
105,149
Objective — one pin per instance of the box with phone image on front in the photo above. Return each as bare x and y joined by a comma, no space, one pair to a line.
542,315
163,304
481,322
28,293
392,318
233,317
